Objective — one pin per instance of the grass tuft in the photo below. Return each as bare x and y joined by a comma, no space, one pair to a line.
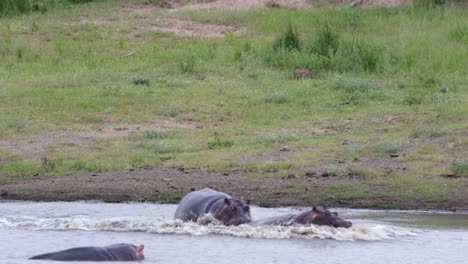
216,142
288,40
459,167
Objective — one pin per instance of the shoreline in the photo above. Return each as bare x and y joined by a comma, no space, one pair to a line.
169,185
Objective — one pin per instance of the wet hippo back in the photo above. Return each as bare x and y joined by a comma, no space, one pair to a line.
117,252
282,220
198,203
315,216
223,207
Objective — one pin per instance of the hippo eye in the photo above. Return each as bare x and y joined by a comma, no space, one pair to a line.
232,207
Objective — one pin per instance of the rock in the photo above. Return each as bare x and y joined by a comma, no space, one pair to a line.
290,176
394,155
347,142
272,4
355,3
285,148
328,173
451,175
443,89
301,73
310,174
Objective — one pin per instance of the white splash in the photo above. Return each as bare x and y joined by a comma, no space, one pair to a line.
204,226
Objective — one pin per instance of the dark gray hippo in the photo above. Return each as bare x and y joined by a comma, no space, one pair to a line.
223,207
314,216
116,252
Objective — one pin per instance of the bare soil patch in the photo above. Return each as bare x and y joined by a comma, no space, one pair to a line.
247,4
35,148
188,28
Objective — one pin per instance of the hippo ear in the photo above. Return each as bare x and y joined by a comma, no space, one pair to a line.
140,248
226,201
315,210
335,213
247,202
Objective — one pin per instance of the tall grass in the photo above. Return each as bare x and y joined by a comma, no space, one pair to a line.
16,7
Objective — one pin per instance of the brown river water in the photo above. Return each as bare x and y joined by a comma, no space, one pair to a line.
426,237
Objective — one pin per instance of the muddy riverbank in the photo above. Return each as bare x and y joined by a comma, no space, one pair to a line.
168,185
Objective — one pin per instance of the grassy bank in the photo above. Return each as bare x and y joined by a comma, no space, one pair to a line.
98,87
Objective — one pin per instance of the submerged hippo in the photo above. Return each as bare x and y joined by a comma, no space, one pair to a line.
223,207
117,252
314,216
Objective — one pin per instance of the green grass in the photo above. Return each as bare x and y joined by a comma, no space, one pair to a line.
376,80
15,7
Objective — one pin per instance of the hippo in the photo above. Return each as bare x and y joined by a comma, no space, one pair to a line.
315,216
223,207
116,252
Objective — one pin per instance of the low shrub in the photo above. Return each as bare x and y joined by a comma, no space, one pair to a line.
288,40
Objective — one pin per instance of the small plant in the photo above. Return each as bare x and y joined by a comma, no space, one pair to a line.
47,164
230,38
171,110
216,142
312,62
277,97
414,99
20,52
432,132
187,66
354,85
460,33
356,55
158,134
288,40
459,167
140,80
14,123
274,138
59,47
389,147
326,42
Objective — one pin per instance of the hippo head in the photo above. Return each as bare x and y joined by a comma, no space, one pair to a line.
233,212
323,217
139,252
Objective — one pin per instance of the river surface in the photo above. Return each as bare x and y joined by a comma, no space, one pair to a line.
32,228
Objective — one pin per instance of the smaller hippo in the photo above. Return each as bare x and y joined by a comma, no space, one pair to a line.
314,216
223,207
116,252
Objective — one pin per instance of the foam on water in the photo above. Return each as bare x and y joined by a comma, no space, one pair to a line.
205,225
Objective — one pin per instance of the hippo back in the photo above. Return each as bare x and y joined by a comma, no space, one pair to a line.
282,220
117,252
198,203
78,254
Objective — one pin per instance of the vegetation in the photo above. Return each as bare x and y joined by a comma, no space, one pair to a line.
98,87
15,7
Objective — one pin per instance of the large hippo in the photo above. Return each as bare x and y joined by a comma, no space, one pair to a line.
315,216
116,252
223,207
